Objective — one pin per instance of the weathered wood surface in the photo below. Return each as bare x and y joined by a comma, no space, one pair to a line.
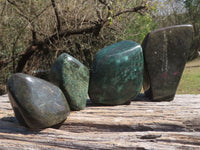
141,125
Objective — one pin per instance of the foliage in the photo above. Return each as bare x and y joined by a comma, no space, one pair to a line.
142,23
193,15
136,26
170,12
34,33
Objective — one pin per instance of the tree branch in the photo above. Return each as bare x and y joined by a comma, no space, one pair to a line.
56,14
4,6
106,4
34,36
67,32
29,51
94,29
30,21
20,11
3,64
135,9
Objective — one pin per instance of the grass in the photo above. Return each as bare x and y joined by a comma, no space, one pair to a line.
190,81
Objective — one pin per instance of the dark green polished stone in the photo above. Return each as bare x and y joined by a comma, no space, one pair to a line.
165,54
73,79
116,74
36,103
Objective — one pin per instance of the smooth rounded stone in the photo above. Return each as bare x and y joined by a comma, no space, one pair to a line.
73,78
116,74
36,102
165,54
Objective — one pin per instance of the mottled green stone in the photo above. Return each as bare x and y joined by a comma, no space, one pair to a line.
73,78
36,103
116,74
165,55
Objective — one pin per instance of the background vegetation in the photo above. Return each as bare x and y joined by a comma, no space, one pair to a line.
190,81
33,33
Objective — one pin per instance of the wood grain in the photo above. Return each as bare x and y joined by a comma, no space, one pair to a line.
141,125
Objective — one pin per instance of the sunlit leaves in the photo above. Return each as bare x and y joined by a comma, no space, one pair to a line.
139,28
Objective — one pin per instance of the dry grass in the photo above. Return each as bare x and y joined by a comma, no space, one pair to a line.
190,81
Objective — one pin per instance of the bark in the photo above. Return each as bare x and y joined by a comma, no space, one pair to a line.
140,125
24,57
56,15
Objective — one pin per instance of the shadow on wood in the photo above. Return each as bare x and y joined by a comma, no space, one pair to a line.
140,125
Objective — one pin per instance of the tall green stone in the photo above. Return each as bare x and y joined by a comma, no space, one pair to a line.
116,74
165,54
73,78
36,103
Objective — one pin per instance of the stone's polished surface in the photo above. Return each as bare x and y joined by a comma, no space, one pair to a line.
165,54
116,74
73,79
36,103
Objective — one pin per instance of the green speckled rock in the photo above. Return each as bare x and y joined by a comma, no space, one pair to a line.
116,74
73,78
36,103
165,54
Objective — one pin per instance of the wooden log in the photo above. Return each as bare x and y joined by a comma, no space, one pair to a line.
141,125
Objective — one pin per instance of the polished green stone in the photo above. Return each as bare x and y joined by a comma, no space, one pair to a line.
73,78
116,74
165,55
36,103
